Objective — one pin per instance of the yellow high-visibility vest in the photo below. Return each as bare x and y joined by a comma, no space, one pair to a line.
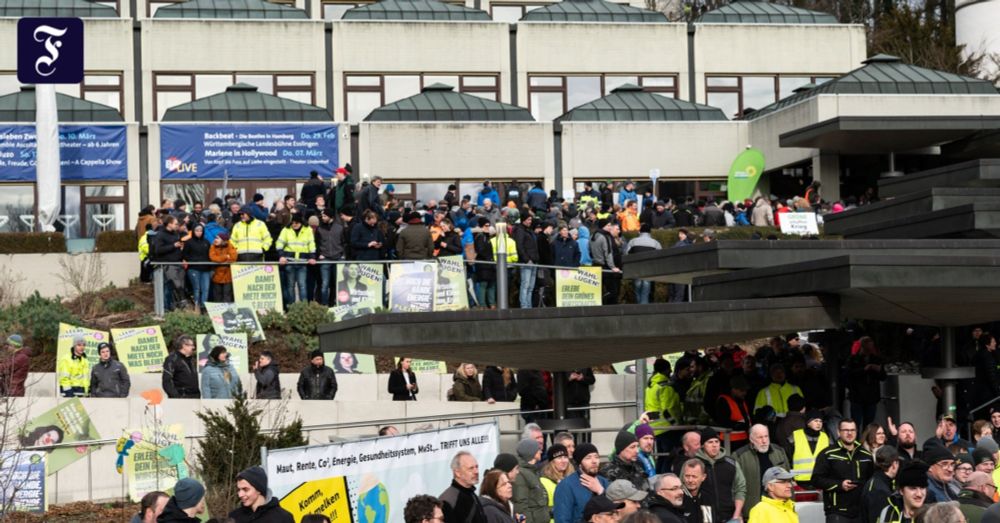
803,460
74,372
250,238
296,243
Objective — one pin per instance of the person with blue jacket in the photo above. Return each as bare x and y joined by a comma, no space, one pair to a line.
488,193
219,379
583,240
627,193
566,250
576,489
537,200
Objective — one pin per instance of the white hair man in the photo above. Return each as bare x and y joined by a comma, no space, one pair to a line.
461,505
756,458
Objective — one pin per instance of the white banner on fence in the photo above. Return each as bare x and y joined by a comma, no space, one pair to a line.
379,474
801,223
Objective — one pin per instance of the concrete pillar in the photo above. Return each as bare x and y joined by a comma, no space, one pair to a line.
948,362
826,169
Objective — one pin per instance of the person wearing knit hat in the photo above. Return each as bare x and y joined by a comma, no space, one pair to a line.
624,463
575,490
983,461
251,488
317,381
729,486
530,496
911,494
805,444
647,446
940,473
14,367
988,444
507,463
528,450
187,502
73,370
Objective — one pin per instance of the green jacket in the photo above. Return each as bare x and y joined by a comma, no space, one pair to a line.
530,496
747,459
973,505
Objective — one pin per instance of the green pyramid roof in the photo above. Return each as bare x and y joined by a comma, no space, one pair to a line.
242,103
231,9
764,13
440,103
20,107
591,11
629,103
427,10
55,8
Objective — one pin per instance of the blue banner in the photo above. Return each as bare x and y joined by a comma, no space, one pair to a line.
207,152
86,152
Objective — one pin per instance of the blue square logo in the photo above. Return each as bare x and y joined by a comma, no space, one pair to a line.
50,50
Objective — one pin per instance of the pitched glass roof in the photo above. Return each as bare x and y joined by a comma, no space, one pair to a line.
242,103
428,10
55,8
885,74
629,103
231,9
20,107
764,13
591,11
440,103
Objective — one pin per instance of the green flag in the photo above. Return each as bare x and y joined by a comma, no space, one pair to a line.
744,173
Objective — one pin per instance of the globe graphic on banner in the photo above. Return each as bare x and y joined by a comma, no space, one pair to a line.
373,505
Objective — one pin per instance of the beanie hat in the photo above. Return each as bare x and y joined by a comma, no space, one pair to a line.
937,454
258,197
964,457
989,444
15,340
981,455
527,448
78,340
583,450
505,462
188,492
224,236
814,414
912,474
316,354
661,366
623,440
643,430
707,434
256,477
557,450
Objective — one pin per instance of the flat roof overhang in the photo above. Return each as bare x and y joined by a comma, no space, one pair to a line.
974,173
911,205
912,290
974,220
683,264
546,338
884,134
985,144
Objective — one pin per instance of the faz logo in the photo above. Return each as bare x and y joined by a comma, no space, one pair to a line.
175,165
50,50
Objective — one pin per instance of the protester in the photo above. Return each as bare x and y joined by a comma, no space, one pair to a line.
841,470
940,475
527,253
557,466
906,442
461,504
647,446
667,502
222,251
367,238
911,493
946,434
423,509
977,496
622,491
696,504
403,382
250,237
74,370
508,464
534,396
495,497
166,246
605,252
726,484
760,455
731,412
14,366
180,370
573,492
267,374
219,379
150,507
777,505
530,497
251,489
624,462
317,381
600,509
187,502
642,243
806,444
877,490
665,405
690,445
777,392
109,378
466,384
499,384
414,241
945,512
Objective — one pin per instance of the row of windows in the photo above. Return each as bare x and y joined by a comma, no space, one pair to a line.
179,88
368,92
734,94
551,96
103,88
86,209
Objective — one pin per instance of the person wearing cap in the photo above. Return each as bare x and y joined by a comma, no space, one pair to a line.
963,468
982,461
696,504
414,241
14,366
777,505
946,434
576,489
251,489
622,491
109,377
777,392
976,496
250,236
600,509
222,251
910,495
667,501
342,194
841,471
317,381
530,497
219,379
760,455
74,370
296,246
726,485
877,490
806,444
941,485
187,502
731,411
624,463
663,402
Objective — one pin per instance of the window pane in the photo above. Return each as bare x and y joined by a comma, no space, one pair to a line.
102,79
430,79
758,91
108,98
479,81
613,82
165,100
15,201
189,192
546,81
822,79
294,80
264,82
402,188
728,102
507,13
153,6
72,90
299,96
68,221
173,79
333,12
368,81
788,84
360,104
546,106
582,89
104,190
399,87
488,96
9,84
105,217
723,81
209,84
657,81
431,191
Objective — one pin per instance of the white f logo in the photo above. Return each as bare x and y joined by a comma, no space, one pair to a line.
52,46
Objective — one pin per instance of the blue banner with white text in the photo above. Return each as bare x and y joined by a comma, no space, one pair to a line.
86,152
247,151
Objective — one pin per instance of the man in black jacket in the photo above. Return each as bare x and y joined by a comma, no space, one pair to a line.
461,504
578,394
166,246
841,472
251,488
876,493
527,253
311,189
180,370
332,243
266,372
667,502
534,396
317,381
369,200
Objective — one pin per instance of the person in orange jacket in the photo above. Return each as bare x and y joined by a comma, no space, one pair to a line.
222,251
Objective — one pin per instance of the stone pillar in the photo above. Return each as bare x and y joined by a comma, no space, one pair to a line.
826,169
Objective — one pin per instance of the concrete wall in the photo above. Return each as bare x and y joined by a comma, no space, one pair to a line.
764,131
40,272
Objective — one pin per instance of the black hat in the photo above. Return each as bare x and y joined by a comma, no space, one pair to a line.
981,455
707,434
813,414
912,474
623,440
505,462
583,450
316,354
297,218
258,197
600,505
557,450
256,477
937,453
347,210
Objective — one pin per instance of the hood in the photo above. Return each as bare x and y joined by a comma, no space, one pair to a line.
584,232
701,454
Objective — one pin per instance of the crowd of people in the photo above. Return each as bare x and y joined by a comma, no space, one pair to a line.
344,220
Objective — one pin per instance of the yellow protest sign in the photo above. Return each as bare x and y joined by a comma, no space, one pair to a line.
141,349
323,496
451,293
426,366
146,466
578,287
257,286
93,338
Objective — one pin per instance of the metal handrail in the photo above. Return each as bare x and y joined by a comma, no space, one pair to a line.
348,262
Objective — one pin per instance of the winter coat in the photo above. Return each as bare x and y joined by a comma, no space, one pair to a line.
484,252
414,243
270,512
724,485
162,248
368,200
530,497
453,244
109,379
342,194
220,381
361,235
173,514
397,386
583,240
462,505
664,220
488,193
494,388
566,252
762,214
180,376
578,391
531,388
537,200
571,497
196,250
310,190
747,458
466,388
14,372
714,217
665,511
221,254
493,214
875,495
602,248
268,382
865,386
317,383
496,511
633,472
331,240
833,465
527,244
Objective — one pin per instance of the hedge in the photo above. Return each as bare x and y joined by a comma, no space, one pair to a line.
116,241
32,242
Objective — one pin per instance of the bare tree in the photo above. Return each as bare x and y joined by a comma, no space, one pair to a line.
15,412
